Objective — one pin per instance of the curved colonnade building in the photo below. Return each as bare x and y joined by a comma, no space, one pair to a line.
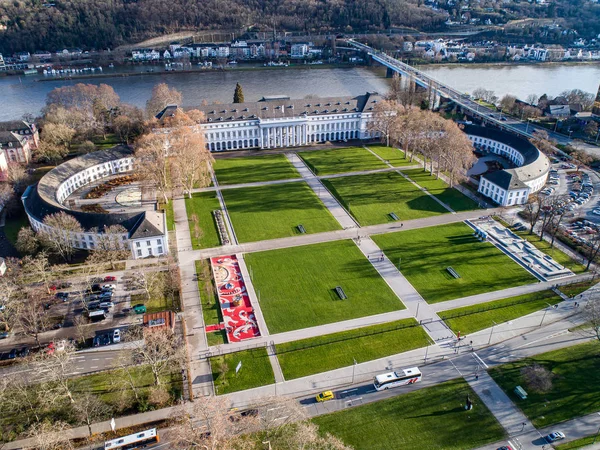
514,185
146,231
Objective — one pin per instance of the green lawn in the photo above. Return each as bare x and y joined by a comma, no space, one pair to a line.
575,387
574,289
296,285
579,443
442,191
168,209
332,351
424,254
432,418
555,253
342,160
14,224
254,169
211,311
256,371
392,155
270,212
202,205
478,317
371,198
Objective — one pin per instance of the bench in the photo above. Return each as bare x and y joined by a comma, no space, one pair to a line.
394,216
452,272
340,292
521,392
301,229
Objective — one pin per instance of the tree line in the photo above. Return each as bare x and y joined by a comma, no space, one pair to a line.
99,24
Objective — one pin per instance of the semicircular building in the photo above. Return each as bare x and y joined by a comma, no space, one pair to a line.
510,186
145,228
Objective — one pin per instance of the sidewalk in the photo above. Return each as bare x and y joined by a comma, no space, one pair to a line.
200,373
330,202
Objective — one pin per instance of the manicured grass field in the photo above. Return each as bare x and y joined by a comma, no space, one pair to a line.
432,418
392,155
202,205
332,351
211,312
256,371
575,387
168,209
254,169
371,198
297,285
478,317
270,212
424,254
442,191
342,160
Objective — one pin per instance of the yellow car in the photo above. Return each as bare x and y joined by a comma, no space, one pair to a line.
324,396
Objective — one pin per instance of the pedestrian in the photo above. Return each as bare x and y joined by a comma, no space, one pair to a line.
401,225
476,376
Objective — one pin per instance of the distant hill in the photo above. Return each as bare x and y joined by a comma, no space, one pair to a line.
29,25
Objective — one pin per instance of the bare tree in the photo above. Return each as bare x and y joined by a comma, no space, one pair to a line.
383,120
32,315
532,99
581,158
543,142
153,163
37,269
88,409
57,367
60,234
591,313
532,210
161,350
110,246
591,249
50,153
17,176
537,377
191,160
51,436
162,96
507,103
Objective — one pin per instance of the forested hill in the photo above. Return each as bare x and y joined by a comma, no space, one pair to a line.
52,24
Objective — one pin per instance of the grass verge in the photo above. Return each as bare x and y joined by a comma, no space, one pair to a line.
430,418
297,285
575,384
392,155
481,316
332,351
211,311
256,371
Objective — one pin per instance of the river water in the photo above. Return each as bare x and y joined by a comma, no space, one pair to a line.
27,94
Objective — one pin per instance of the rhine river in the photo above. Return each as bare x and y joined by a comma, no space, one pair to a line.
26,94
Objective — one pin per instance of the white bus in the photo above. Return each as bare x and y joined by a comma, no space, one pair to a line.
394,379
136,440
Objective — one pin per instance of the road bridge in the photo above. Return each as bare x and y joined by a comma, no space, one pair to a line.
442,90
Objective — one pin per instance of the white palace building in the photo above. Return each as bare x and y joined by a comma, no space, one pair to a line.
278,121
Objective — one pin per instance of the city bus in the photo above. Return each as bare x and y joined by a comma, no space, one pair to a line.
136,440
394,379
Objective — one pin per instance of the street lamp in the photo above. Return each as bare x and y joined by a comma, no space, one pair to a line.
492,332
545,311
427,349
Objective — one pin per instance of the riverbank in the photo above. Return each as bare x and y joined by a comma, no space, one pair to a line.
482,65
241,68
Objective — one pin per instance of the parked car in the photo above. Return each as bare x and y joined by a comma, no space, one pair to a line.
139,309
24,352
106,305
4,334
556,436
109,287
105,339
110,278
96,341
64,296
12,354
116,336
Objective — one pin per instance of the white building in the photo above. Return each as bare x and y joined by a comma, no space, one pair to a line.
509,186
279,121
145,231
145,55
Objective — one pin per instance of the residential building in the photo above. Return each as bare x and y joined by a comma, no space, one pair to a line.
16,147
145,55
23,128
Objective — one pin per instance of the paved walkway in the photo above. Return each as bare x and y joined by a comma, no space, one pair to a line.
200,372
417,306
226,217
330,202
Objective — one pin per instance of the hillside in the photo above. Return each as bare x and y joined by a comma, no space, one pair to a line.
35,24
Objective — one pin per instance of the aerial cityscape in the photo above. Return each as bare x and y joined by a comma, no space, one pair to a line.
309,226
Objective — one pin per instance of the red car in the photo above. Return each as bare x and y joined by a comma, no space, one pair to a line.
110,278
